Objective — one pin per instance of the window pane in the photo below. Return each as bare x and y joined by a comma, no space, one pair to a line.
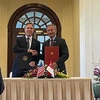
40,52
27,21
30,14
41,46
23,26
40,38
38,14
18,25
31,20
45,18
44,26
49,23
41,23
23,18
36,26
37,20
46,38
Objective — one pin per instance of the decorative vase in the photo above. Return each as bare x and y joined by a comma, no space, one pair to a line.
96,89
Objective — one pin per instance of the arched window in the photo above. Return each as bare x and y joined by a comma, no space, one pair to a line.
39,19
38,14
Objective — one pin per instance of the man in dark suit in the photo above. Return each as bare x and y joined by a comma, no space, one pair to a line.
28,44
1,83
63,48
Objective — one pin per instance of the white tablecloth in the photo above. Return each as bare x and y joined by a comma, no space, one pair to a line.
47,89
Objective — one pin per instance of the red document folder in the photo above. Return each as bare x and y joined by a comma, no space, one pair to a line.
51,54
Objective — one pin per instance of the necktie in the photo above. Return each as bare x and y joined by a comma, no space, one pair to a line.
27,40
51,42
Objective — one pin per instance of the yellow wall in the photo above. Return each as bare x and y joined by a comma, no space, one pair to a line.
67,32
76,39
3,37
67,12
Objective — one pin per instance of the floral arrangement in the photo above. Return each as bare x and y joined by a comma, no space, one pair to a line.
43,73
31,73
61,75
97,72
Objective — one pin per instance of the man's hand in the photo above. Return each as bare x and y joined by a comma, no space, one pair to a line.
34,52
30,50
32,63
54,65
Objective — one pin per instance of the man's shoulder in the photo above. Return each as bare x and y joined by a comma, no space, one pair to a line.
20,38
60,38
45,43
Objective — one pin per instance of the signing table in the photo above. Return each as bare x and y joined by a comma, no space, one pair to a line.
47,89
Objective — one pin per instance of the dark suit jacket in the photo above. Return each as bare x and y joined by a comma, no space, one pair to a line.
63,52
1,83
21,46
